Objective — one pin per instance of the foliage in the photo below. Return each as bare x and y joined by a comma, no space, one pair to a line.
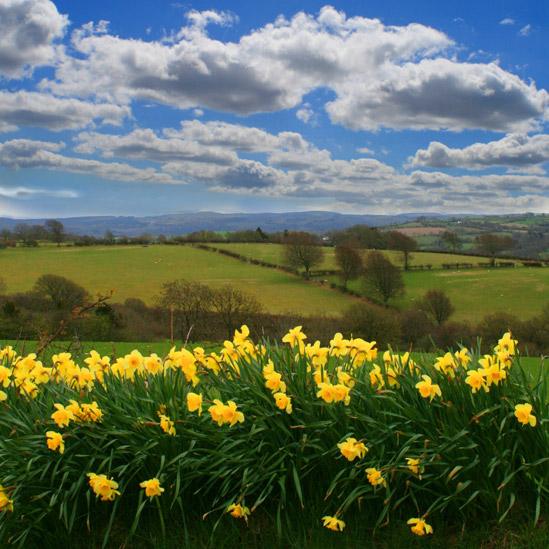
437,305
382,276
302,250
397,240
349,261
63,293
144,439
493,244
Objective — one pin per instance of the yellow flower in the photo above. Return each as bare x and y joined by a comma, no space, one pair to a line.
91,412
342,394
283,402
6,504
339,346
3,396
523,412
494,374
427,388
54,440
420,527
351,449
376,377
5,374
463,357
375,478
241,336
167,425
413,465
506,344
152,487
231,415
326,392
238,511
476,380
446,365
103,487
62,416
333,523
194,402
295,337
153,364
273,381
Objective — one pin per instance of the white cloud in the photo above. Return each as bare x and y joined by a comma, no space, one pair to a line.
201,19
28,31
440,94
365,150
515,151
306,114
30,192
34,109
526,30
382,76
27,153
507,21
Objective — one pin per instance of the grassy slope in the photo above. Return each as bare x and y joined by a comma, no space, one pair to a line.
136,271
274,254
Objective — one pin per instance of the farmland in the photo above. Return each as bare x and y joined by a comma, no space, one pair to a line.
136,271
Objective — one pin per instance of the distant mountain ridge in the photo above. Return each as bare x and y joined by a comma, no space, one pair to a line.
177,224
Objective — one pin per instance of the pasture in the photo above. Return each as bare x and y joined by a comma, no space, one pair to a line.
139,272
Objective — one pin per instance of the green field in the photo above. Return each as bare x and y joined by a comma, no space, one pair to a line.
273,253
140,271
521,291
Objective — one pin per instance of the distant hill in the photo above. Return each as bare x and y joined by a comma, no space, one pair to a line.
177,224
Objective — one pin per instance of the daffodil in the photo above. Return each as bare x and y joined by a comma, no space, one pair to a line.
283,402
54,440
103,487
351,449
420,527
62,416
413,465
194,403
238,511
428,389
333,523
152,487
295,337
476,379
375,477
6,504
523,413
167,425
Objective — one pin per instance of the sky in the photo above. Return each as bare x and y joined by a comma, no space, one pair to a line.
147,107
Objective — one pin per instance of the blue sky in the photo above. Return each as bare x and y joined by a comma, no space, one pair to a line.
151,107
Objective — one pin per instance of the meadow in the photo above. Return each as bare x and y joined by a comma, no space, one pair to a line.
140,271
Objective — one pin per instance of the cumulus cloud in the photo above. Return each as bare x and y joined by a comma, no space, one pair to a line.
28,31
382,76
507,21
526,30
27,153
514,151
440,94
306,114
34,109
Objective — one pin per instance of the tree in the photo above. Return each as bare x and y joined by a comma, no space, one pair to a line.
493,244
56,230
349,261
234,307
437,305
382,276
451,240
364,236
108,237
403,243
63,293
188,302
303,250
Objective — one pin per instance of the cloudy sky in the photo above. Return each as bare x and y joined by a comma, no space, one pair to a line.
143,107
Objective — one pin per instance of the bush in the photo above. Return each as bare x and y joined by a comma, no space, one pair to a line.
372,322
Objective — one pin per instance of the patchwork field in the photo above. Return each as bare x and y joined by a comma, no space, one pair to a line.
137,271
274,253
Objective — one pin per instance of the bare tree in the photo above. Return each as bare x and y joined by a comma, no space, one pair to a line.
349,261
188,301
437,305
451,240
403,243
302,250
234,307
382,276
63,293
56,230
493,244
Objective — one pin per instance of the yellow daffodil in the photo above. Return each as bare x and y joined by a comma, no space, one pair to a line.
238,511
62,416
54,440
152,487
103,487
283,402
194,403
333,523
295,337
167,425
420,527
6,504
523,413
351,449
413,465
375,477
476,380
428,389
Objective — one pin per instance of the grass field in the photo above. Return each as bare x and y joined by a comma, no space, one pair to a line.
273,253
137,271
